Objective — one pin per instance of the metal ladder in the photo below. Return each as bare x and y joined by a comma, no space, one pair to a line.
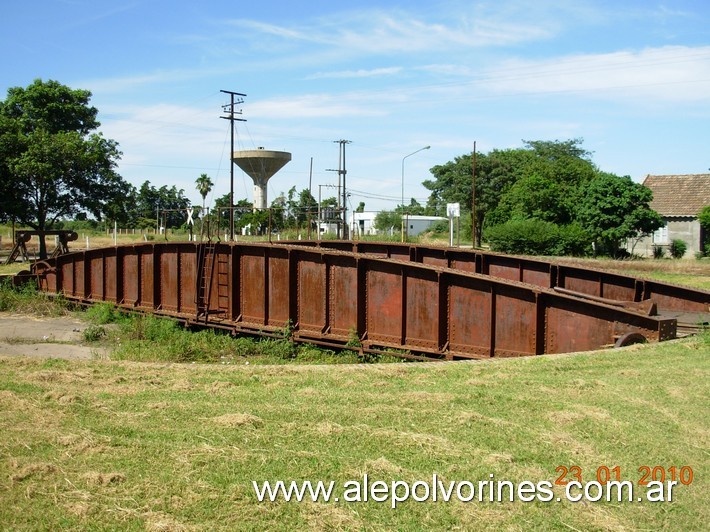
205,275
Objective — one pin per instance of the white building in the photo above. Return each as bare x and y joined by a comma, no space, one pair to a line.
363,223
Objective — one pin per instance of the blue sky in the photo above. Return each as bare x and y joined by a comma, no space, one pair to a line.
632,78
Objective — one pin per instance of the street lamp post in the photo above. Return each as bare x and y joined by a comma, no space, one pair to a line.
403,159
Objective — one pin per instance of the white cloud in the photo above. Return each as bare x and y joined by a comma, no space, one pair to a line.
314,106
380,32
274,30
362,73
122,84
673,73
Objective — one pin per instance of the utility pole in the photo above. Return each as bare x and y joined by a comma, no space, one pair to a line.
473,197
310,195
230,112
342,172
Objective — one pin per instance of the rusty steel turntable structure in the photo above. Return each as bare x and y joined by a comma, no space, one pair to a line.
407,300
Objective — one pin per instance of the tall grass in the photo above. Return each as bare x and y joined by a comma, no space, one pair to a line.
26,299
149,338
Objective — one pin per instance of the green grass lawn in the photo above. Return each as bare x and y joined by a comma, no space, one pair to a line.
115,444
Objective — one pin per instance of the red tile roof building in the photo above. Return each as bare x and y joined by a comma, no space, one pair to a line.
678,199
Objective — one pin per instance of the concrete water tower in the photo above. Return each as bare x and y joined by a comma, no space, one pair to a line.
260,165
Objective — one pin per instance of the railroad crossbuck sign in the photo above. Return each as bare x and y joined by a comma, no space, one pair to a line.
190,212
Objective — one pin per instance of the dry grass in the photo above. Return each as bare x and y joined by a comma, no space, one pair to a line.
128,445
681,266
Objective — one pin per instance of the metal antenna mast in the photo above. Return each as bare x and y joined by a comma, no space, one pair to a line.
230,112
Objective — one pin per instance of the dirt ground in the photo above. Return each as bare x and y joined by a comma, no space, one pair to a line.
45,337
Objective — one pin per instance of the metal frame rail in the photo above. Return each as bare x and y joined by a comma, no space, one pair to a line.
347,300
538,272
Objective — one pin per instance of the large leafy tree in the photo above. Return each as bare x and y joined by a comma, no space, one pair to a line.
613,209
534,197
169,202
496,172
304,209
53,163
553,171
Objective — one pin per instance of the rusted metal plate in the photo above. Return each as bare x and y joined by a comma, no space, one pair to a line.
570,330
278,288
67,272
618,288
384,303
584,281
678,298
470,309
253,286
312,296
131,277
464,266
342,296
96,277
421,309
538,274
147,281
187,257
515,321
224,280
169,278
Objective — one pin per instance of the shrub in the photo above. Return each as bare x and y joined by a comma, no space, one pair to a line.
678,249
94,333
102,313
658,252
572,240
537,237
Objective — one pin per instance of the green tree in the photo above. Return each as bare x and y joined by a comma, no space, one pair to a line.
329,209
565,162
704,219
280,213
533,197
414,208
298,206
561,166
204,185
613,209
307,208
170,202
386,220
53,164
495,174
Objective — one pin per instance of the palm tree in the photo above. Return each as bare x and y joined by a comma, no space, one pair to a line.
204,186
